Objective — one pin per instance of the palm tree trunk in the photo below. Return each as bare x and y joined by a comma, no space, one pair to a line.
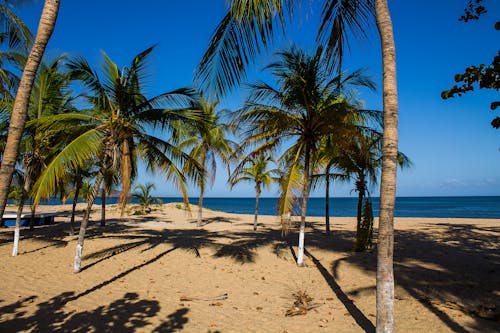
32,216
202,189
103,206
257,195
73,209
305,194
20,108
360,187
17,229
385,246
85,221
327,200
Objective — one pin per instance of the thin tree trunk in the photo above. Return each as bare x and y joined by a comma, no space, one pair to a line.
32,216
20,108
85,221
257,195
305,194
327,200
17,228
103,206
360,187
202,189
385,246
73,209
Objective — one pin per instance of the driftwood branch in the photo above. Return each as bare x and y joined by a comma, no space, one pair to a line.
208,299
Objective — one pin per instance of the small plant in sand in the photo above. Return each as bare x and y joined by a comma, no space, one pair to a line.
146,200
303,302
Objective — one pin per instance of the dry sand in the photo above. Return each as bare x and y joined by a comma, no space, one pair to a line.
138,270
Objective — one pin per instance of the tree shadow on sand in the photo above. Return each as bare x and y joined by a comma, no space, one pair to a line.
128,314
451,265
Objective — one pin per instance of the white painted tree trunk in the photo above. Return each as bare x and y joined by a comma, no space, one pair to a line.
78,258
300,254
15,248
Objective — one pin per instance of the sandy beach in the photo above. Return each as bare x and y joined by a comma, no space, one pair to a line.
161,273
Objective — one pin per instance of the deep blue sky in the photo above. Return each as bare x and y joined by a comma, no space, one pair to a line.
453,148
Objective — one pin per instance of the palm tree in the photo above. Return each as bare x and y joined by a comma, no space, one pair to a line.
385,242
143,195
50,95
21,103
254,169
248,27
207,141
116,133
306,108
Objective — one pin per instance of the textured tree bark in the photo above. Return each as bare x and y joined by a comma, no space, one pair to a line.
73,209
305,194
385,246
85,221
20,108
202,190
257,195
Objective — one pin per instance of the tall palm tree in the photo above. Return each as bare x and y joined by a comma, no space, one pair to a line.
385,242
255,169
115,133
307,107
21,103
248,28
207,141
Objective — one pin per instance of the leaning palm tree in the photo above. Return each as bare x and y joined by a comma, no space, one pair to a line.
21,103
307,107
249,26
115,133
207,141
255,169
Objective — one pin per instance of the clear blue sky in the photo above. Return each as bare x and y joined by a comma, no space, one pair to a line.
453,148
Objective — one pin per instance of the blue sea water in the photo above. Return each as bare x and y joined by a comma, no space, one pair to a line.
443,207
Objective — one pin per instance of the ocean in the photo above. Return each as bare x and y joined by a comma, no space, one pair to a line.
443,207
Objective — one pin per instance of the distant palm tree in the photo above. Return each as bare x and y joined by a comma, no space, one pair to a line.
307,107
256,170
207,141
327,158
145,198
21,103
115,133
